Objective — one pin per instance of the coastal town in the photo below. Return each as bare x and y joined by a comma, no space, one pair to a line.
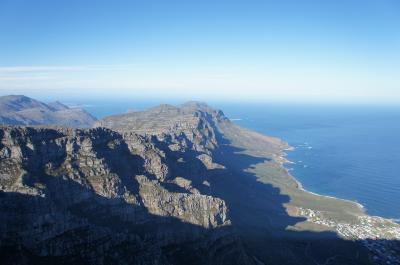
379,235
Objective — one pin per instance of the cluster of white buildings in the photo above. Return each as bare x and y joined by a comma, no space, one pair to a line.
381,236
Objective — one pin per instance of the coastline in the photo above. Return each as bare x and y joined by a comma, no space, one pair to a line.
365,228
300,185
276,148
260,144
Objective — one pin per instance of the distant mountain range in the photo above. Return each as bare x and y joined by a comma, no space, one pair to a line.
22,110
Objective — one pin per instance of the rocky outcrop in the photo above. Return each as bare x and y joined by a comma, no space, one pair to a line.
22,110
112,192
191,125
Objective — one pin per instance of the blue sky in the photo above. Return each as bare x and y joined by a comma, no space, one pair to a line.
323,51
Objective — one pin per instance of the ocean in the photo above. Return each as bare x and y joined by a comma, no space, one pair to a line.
349,152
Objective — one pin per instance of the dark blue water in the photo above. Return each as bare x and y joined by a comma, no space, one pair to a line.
342,151
350,152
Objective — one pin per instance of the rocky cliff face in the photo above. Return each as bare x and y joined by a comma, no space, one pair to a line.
191,125
122,197
22,110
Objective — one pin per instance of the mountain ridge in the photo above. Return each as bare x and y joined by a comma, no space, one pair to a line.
22,110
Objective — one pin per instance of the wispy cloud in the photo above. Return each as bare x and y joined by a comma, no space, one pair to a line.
25,78
25,75
64,68
163,79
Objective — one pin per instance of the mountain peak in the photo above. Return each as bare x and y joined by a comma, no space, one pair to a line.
164,108
57,105
18,102
164,118
23,110
195,104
